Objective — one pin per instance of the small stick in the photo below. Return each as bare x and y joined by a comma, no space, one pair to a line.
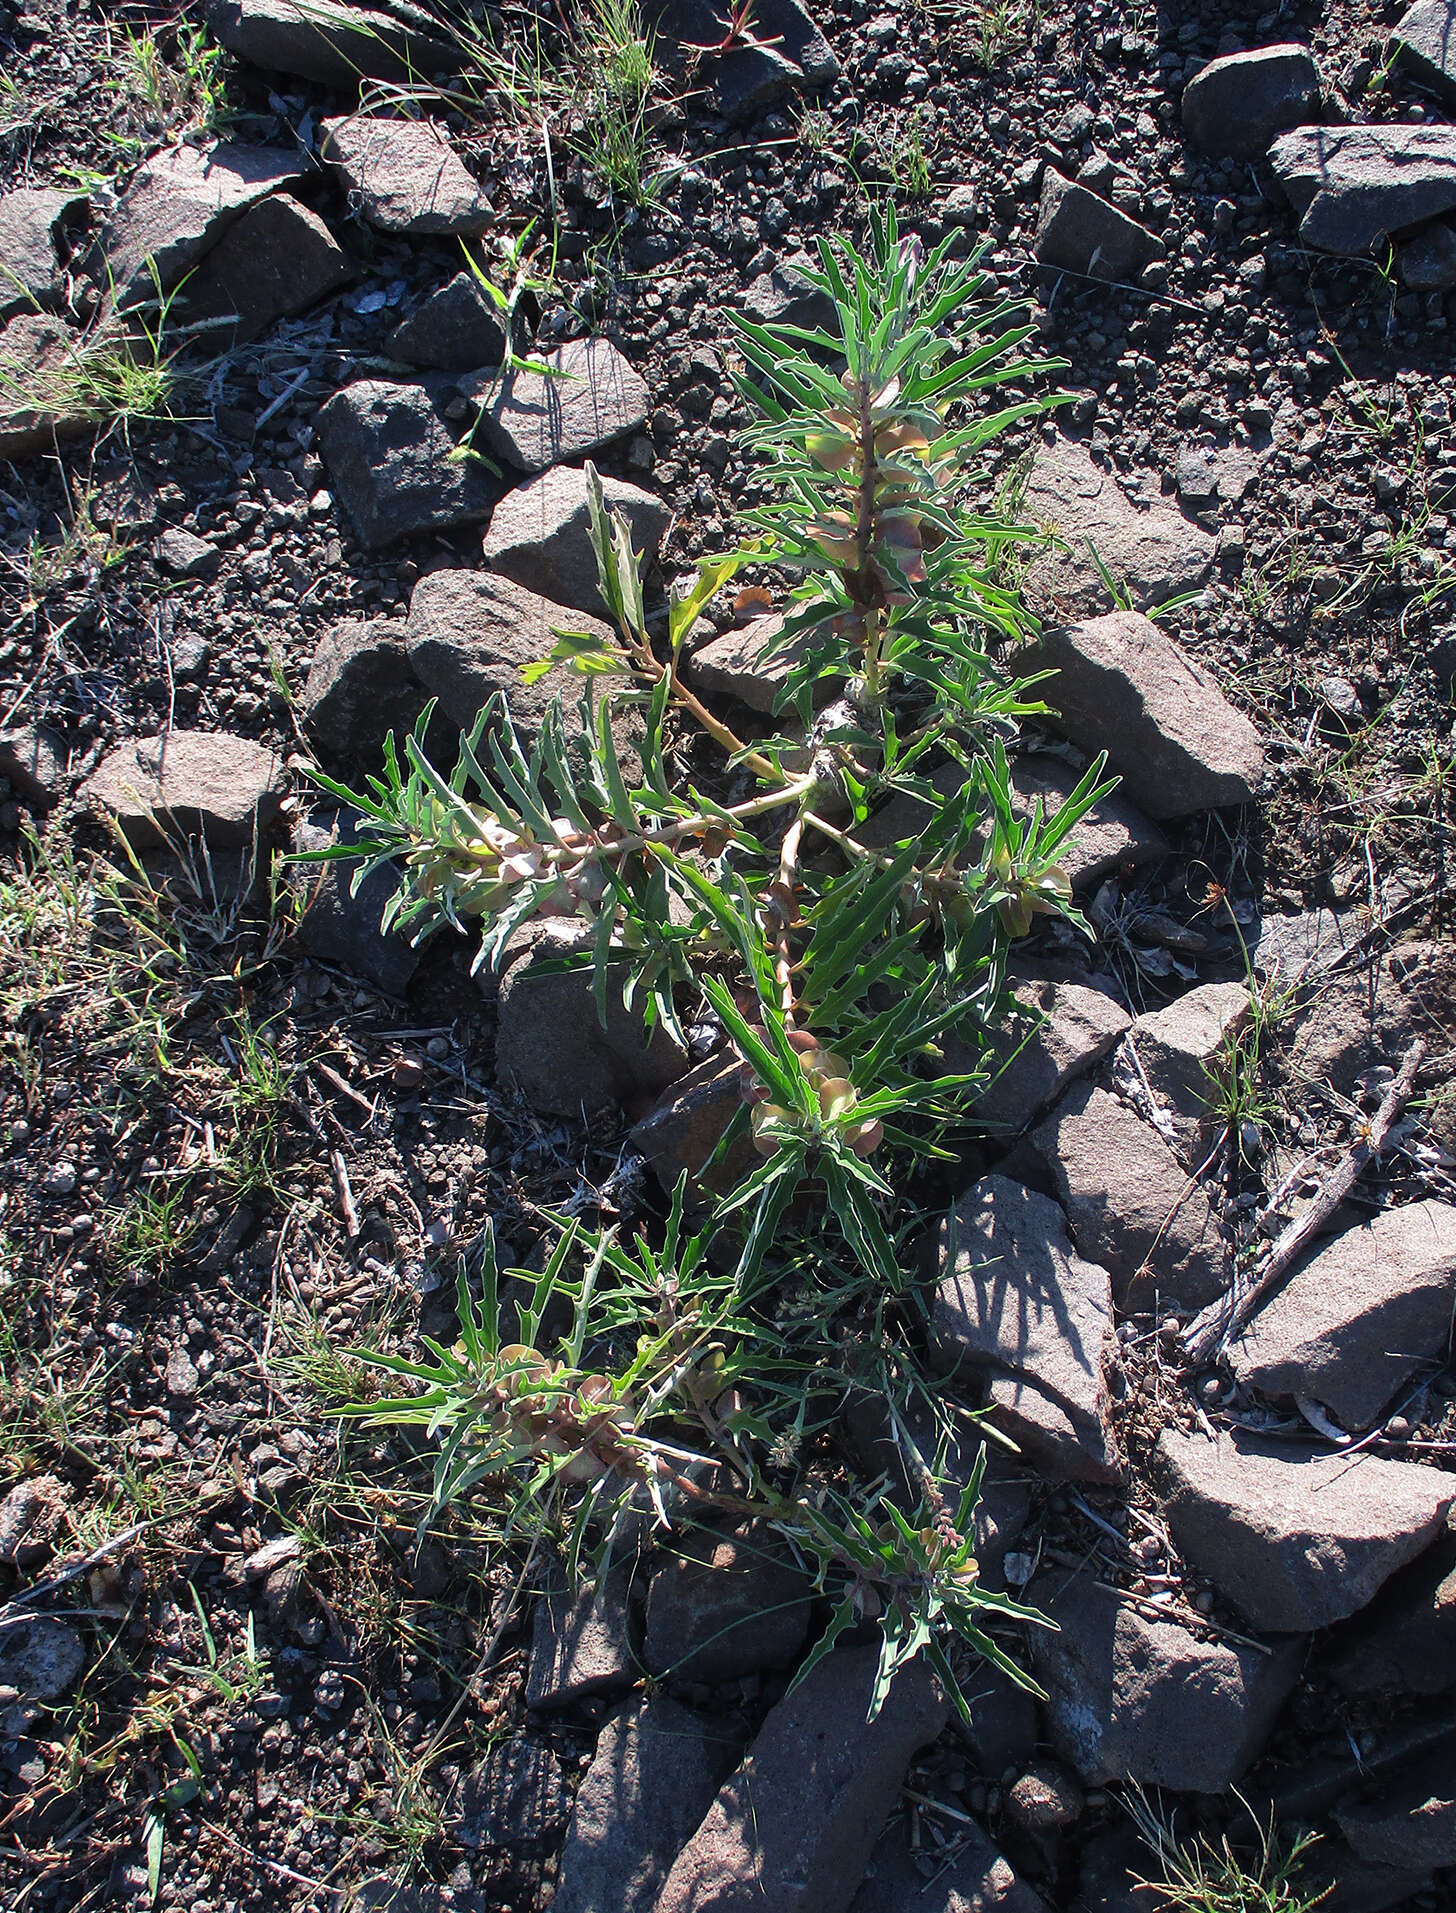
1229,1313
344,1192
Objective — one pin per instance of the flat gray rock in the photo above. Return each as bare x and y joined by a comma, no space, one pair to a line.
1296,1538
278,259
681,1132
1366,1017
186,785
581,1644
392,459
457,329
30,218
1358,1319
33,760
1353,185
360,688
1235,105
733,665
1123,684
1424,39
1018,1304
655,1773
976,1877
1410,1821
540,534
179,204
1151,550
1428,259
1132,1206
1178,1050
1081,232
341,924
328,41
725,1605
1404,1642
42,1659
1130,1698
590,396
405,176
1063,1025
792,1831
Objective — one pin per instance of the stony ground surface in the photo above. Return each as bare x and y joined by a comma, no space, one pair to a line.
243,1132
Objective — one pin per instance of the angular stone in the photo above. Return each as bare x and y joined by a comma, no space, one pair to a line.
335,43
540,535
30,218
360,688
1080,232
391,457
1352,185
33,762
188,784
340,924
1336,1880
40,400
1411,1822
1234,106
1004,1729
656,1772
679,1135
1360,1317
1404,1642
1124,685
515,1802
1131,1206
975,1878
1129,1698
186,555
1151,551
1016,1300
457,329
1178,1047
1428,261
42,1659
783,296
1425,43
793,1829
178,205
534,419
1062,1026
1295,1538
279,258
726,1605
733,665
581,1644
1368,1018
550,1045
405,176
785,53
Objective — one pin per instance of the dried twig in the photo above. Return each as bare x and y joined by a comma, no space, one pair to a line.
1229,1313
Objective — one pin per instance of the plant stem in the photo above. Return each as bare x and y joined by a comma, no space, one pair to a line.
788,879
645,660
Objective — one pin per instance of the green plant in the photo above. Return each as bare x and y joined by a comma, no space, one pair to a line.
177,79
122,372
1196,1876
831,966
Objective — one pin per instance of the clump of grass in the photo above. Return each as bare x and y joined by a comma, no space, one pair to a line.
1196,1876
175,76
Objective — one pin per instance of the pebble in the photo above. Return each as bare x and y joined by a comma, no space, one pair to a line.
61,1180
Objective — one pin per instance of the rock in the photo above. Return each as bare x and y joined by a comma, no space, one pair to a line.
33,761
540,535
1368,1018
1424,39
186,555
1178,1048
972,1876
655,1773
1297,1539
404,176
360,688
725,1605
182,1377
42,400
680,1134
1404,1642
786,51
1062,1026
335,43
1352,185
1044,1799
1411,1822
391,457
470,632
42,1660
733,665
515,1802
581,1644
29,1513
342,925
534,419
550,1046
1301,945
1125,684
1004,1728
457,329
783,296
1234,106
1081,232
1130,1698
1016,1300
1153,552
1336,1881
1428,261
180,204
188,784
1131,1206
1359,1317
793,1829
279,258
30,257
